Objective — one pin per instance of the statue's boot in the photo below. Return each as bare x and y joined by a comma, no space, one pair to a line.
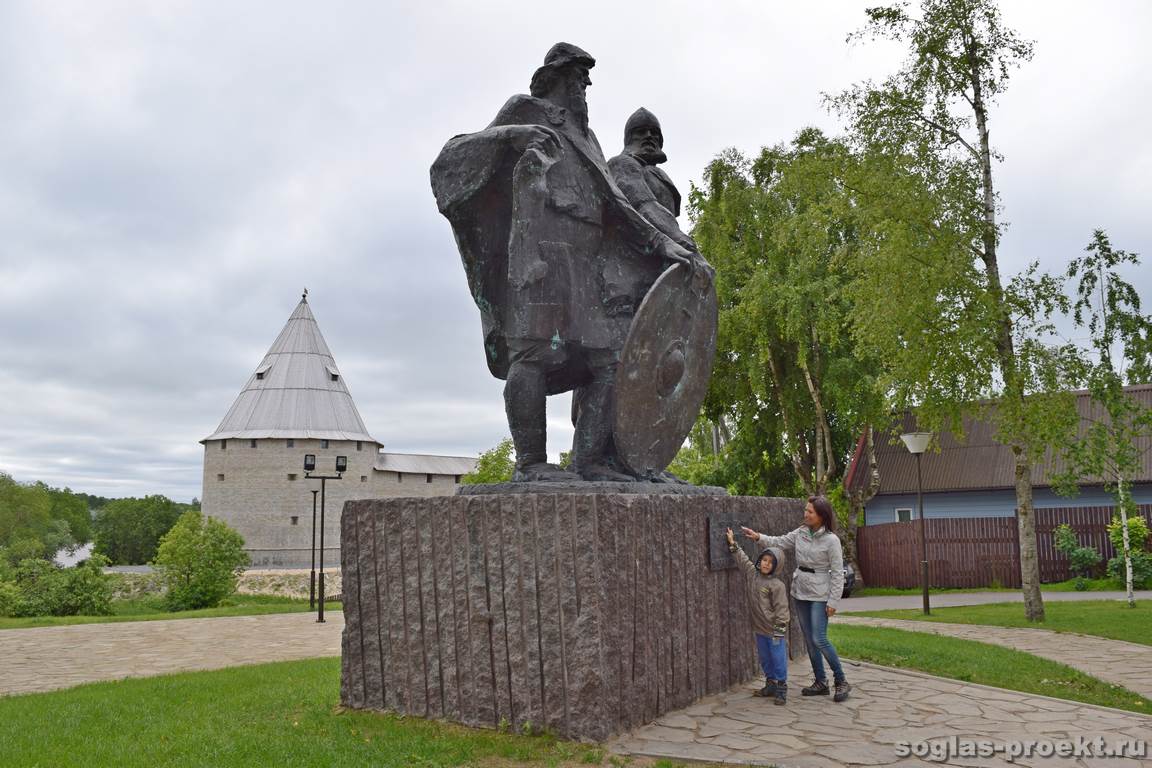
524,403
595,415
667,477
544,472
603,473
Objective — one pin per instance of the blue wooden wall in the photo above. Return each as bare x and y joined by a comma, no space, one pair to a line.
1001,503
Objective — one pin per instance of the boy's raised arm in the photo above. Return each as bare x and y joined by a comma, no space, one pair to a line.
741,557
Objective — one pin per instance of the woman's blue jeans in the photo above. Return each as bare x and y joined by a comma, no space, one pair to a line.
773,656
814,625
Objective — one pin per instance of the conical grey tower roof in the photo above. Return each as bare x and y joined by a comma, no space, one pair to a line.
296,391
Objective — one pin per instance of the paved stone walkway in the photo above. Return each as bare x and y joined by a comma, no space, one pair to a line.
887,706
1114,661
47,658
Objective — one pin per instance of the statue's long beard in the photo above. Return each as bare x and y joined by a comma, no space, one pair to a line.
578,105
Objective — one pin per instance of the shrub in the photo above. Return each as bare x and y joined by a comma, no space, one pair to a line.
41,585
45,589
1137,533
87,589
1141,569
200,560
1082,561
9,598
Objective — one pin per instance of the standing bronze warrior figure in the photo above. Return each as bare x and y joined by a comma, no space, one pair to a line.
559,257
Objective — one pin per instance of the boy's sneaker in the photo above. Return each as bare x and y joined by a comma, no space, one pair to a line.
781,696
768,691
842,689
818,688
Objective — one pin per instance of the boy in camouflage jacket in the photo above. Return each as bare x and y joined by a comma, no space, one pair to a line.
768,605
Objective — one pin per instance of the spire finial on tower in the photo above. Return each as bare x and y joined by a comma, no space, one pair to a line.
304,298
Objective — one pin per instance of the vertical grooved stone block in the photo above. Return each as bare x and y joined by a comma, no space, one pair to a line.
397,669
414,623
583,614
366,602
427,572
352,675
458,559
528,616
480,617
502,672
439,527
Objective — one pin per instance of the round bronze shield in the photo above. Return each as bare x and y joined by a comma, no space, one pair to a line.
664,369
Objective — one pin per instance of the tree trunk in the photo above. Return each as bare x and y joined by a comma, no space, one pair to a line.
856,501
1026,518
1124,498
1013,388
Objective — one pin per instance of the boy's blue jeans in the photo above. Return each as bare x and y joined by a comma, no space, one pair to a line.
773,656
814,625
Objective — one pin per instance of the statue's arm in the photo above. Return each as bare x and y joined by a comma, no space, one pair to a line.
629,176
467,162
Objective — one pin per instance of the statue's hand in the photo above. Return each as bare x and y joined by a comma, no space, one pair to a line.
524,137
675,252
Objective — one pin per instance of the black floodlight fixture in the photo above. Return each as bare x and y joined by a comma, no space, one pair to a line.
309,462
341,464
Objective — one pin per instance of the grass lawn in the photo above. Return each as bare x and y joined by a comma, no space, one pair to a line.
1093,585
974,662
282,715
152,609
1104,618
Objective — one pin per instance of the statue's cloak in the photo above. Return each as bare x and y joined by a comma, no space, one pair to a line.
472,181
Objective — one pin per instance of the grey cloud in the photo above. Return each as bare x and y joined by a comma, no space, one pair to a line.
173,174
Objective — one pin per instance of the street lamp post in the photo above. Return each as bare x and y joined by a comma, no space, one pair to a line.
917,443
309,468
312,580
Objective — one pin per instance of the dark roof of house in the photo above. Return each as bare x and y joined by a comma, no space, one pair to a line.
979,463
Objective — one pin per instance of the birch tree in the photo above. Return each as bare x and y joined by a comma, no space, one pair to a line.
1109,447
933,304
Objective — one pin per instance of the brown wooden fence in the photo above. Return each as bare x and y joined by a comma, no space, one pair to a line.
977,551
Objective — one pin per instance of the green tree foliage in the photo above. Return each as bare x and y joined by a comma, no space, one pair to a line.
38,587
494,465
200,560
748,462
71,508
932,303
783,232
127,531
1107,450
38,521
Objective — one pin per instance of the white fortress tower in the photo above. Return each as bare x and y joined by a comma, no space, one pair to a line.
296,402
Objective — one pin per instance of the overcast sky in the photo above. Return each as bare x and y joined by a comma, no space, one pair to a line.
174,173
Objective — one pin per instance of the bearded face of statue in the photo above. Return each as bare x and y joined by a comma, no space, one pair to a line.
647,143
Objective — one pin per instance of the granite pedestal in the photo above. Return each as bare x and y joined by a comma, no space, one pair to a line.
581,614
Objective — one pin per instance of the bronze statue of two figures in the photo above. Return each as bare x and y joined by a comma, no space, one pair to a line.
584,281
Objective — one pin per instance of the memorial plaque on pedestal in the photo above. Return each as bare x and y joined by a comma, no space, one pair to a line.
719,558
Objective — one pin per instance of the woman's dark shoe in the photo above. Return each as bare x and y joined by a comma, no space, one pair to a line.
842,690
781,696
818,688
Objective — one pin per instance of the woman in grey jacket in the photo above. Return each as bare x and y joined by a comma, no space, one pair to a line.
816,587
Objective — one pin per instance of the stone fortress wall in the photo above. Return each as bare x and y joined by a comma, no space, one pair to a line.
259,490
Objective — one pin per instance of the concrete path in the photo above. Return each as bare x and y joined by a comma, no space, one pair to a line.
887,706
46,658
948,599
1114,661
